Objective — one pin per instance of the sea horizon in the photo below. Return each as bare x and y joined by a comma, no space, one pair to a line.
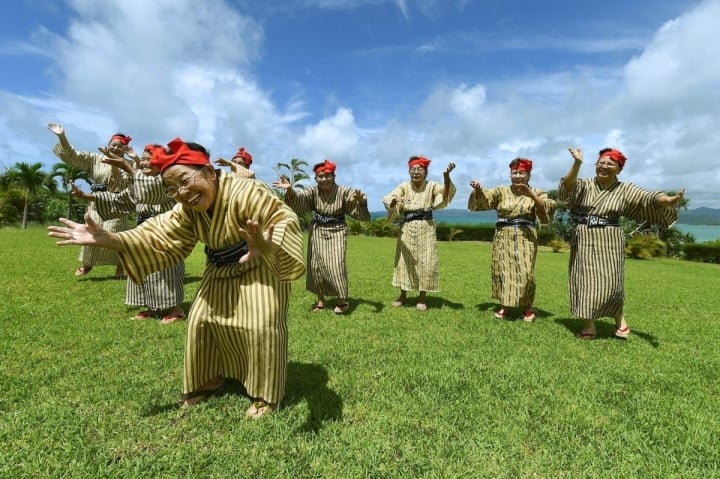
700,232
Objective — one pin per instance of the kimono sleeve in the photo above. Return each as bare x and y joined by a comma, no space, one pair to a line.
81,160
158,243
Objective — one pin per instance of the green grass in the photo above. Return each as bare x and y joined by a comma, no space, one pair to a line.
379,392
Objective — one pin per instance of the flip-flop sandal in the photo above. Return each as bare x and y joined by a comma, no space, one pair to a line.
341,308
260,408
171,318
583,335
196,397
529,316
500,314
622,333
143,315
398,302
316,307
83,270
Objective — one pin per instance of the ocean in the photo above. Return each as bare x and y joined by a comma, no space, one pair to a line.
701,233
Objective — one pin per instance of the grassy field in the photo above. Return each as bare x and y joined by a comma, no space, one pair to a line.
379,392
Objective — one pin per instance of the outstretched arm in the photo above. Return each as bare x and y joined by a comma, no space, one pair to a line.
571,177
447,183
59,130
88,234
668,200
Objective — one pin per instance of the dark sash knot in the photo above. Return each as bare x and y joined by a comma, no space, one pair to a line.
228,255
418,215
509,222
328,220
98,187
594,221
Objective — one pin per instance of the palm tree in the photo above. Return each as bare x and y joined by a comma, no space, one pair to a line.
68,175
31,179
294,172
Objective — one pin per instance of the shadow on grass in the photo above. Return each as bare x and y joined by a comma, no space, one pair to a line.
606,330
305,382
308,382
432,302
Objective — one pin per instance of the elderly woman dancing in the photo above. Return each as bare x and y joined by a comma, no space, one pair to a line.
597,242
519,208
327,239
104,177
416,258
237,325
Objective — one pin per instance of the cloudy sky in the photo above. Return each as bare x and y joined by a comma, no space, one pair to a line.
368,83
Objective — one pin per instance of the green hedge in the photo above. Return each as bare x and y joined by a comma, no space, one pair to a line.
481,232
704,252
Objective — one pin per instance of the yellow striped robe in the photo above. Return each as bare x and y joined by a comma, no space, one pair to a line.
514,247
147,197
237,325
327,244
116,179
416,258
597,255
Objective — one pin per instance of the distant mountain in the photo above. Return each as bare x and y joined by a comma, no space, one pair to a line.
699,216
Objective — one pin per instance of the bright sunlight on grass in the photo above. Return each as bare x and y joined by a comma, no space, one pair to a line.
379,392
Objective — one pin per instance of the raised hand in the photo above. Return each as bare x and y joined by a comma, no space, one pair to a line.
576,153
259,242
56,128
88,234
475,185
283,183
359,197
450,167
80,194
223,162
523,189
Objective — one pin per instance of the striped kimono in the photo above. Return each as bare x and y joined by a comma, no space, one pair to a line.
597,253
101,174
237,325
327,241
416,258
146,196
514,247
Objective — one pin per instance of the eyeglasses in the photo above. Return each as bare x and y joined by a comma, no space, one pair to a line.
607,164
417,169
174,190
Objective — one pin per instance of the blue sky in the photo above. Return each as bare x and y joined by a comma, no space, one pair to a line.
368,83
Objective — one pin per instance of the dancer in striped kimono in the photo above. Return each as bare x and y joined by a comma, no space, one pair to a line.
519,207
105,178
597,242
327,237
416,258
161,292
239,165
237,325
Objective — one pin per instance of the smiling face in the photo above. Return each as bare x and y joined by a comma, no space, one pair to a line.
145,166
116,147
192,186
606,170
418,174
518,176
325,181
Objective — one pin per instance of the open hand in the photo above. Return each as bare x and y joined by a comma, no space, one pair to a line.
576,153
283,183
259,242
56,128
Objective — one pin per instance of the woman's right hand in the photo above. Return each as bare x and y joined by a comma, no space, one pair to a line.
576,153
475,185
88,234
283,183
80,194
56,128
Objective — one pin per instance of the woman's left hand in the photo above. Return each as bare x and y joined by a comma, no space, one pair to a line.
523,189
450,167
259,242
359,197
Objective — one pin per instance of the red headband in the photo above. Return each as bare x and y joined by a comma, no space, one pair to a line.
179,154
125,140
154,150
246,157
523,164
418,161
615,155
326,167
